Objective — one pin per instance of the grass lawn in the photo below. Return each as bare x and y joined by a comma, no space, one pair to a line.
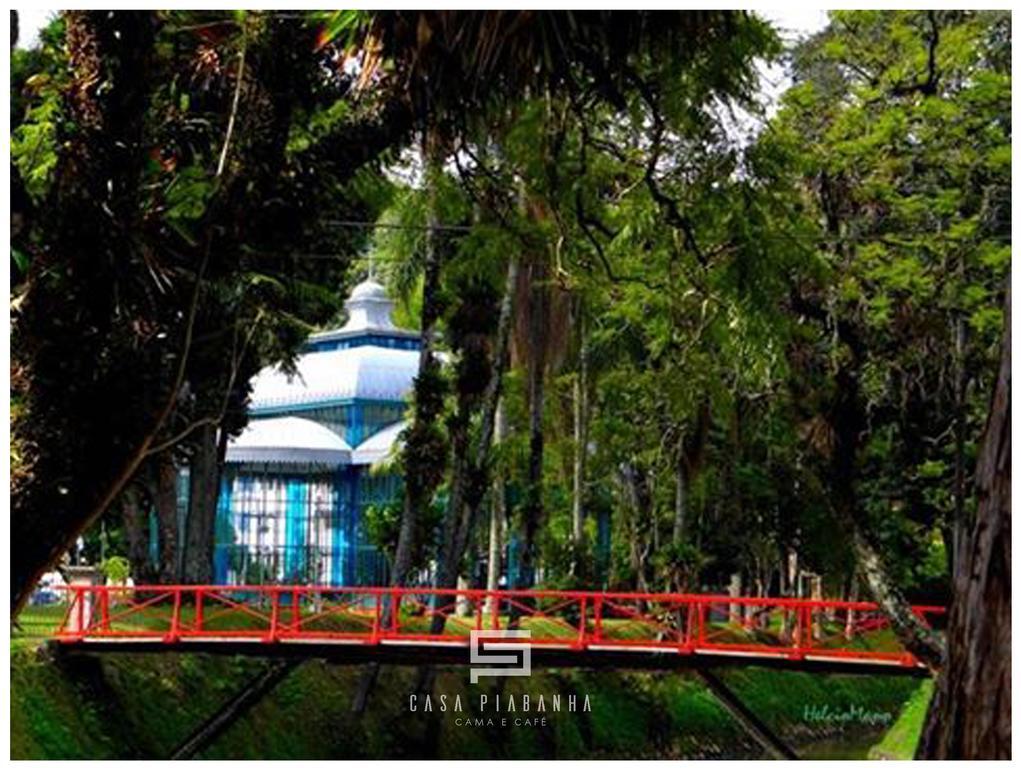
901,740
36,624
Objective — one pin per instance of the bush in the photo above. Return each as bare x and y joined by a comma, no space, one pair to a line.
115,569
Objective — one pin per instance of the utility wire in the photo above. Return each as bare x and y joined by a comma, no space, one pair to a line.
816,238
386,225
379,258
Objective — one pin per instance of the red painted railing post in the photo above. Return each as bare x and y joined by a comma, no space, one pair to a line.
200,594
495,610
582,622
688,630
64,628
80,597
479,603
701,625
799,632
395,610
274,616
175,618
597,617
295,610
377,618
104,610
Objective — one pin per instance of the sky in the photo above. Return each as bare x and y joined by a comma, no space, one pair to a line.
792,24
30,21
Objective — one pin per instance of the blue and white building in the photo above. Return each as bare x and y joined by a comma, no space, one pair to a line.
298,480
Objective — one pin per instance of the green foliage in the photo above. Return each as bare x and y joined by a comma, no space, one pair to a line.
719,290
34,143
157,698
37,79
115,569
901,741
680,564
383,524
187,195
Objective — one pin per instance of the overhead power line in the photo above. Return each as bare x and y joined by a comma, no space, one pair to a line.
386,225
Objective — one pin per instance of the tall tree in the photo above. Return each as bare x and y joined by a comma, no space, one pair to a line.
424,453
909,239
175,201
70,308
969,717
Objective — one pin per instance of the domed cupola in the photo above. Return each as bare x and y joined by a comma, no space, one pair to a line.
369,323
368,359
368,308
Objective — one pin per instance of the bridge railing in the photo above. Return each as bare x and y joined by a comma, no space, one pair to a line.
684,623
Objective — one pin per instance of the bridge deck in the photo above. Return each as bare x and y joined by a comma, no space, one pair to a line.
422,625
548,657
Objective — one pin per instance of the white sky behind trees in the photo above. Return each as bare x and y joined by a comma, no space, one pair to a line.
30,21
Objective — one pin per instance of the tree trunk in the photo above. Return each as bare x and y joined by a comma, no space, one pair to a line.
497,516
847,419
424,450
200,526
680,495
136,532
815,594
969,717
73,469
636,487
471,468
163,491
690,453
533,503
852,597
581,417
734,591
789,578
960,436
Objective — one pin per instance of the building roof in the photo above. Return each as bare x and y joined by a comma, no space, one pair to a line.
370,359
380,445
369,313
288,440
355,373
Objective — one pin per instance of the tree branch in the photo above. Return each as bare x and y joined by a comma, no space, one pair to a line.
233,109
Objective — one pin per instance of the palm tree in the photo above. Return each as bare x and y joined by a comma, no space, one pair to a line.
462,67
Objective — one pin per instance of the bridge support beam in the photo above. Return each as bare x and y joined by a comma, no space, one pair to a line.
755,727
250,695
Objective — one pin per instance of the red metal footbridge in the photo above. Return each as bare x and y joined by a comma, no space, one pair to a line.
416,625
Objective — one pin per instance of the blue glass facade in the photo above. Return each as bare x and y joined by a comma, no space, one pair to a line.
291,510
368,340
299,529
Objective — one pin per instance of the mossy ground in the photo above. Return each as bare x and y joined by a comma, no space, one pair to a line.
901,740
142,705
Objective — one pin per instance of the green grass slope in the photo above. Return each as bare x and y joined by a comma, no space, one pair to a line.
901,741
